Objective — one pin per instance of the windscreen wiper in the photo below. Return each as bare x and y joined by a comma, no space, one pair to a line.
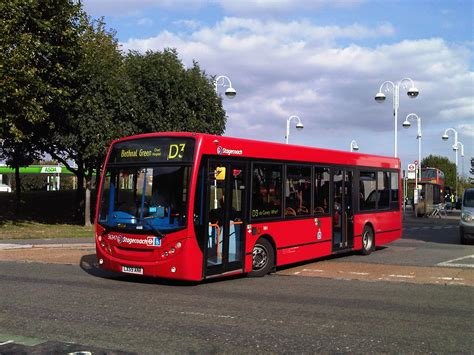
153,229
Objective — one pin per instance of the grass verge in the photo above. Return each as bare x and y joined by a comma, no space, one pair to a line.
34,230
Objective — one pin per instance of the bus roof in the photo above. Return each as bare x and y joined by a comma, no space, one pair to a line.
247,148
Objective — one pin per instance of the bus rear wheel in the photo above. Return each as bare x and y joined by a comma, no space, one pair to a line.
263,258
368,241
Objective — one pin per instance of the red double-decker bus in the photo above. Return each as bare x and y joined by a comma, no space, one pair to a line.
194,206
433,176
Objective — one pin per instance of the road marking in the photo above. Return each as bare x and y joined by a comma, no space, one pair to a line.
448,278
207,315
7,246
453,263
20,340
391,273
403,276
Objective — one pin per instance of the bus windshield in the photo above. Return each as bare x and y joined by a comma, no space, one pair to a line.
145,198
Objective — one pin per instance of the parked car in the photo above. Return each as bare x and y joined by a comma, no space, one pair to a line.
466,224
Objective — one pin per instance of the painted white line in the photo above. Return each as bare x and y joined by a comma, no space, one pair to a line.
403,276
313,270
206,315
452,263
456,265
358,273
6,246
297,273
6,342
449,278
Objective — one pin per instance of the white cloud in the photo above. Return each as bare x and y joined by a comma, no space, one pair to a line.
285,68
468,131
189,24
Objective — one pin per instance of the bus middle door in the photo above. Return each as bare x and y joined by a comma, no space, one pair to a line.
343,211
226,217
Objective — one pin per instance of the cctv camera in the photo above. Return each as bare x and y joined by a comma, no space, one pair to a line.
413,92
230,93
380,97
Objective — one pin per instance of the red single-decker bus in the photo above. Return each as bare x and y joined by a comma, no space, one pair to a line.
193,206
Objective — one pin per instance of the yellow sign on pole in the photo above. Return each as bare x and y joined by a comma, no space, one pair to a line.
219,173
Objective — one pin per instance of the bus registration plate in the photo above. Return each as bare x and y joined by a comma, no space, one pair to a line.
132,270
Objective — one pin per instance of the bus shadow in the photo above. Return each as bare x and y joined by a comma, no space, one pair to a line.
89,265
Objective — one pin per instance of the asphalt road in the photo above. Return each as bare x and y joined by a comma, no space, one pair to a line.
241,315
61,308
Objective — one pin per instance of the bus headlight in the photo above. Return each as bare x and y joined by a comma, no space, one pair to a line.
466,217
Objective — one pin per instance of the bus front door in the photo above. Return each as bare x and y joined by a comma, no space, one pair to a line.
226,202
343,211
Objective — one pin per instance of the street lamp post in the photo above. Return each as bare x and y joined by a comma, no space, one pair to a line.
407,124
445,137
299,126
412,92
462,157
224,81
354,146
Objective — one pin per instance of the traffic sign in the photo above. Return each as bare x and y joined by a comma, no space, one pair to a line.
411,167
415,162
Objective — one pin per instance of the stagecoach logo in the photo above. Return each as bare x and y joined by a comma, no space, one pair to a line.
225,151
149,241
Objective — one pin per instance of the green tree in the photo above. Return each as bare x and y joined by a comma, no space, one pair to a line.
100,112
471,171
38,48
443,164
170,97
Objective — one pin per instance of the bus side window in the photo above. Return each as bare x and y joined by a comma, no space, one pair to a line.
321,190
367,189
266,190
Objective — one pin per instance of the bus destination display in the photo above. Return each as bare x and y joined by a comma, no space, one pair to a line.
153,150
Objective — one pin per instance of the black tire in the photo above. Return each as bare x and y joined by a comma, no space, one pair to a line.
368,241
263,258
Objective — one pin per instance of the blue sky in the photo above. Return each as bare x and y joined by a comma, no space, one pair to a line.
322,60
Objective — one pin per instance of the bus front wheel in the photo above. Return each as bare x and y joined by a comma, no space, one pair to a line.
263,258
368,241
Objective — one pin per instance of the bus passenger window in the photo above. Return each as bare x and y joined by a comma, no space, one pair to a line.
298,191
367,191
266,190
394,204
321,190
383,189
